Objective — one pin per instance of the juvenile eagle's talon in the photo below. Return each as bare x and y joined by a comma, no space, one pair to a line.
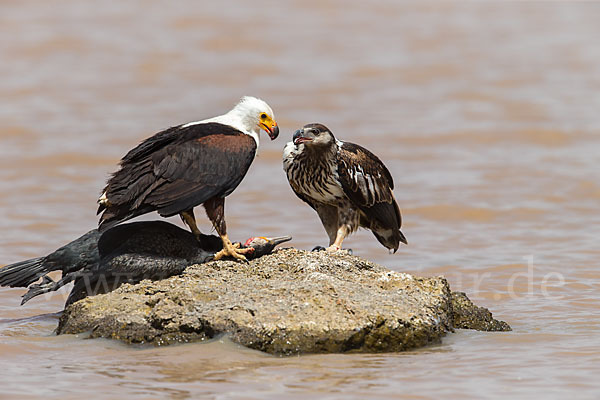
318,248
332,249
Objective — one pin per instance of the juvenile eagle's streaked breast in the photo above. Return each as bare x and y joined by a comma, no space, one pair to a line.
314,177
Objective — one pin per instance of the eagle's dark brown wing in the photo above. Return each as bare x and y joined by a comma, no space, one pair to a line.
368,184
176,170
363,176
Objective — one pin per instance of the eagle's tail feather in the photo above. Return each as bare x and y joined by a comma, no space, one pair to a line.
115,215
390,238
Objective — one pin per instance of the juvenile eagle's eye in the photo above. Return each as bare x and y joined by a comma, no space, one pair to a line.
263,116
315,132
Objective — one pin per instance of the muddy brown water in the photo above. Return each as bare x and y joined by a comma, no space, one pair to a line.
487,115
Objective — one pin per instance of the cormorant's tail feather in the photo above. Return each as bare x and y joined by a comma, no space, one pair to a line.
23,273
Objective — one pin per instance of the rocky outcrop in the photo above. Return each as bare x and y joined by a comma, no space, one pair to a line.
466,315
288,302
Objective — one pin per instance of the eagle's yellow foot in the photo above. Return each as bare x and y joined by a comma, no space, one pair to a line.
342,232
232,250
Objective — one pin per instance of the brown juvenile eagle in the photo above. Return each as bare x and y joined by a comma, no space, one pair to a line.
346,184
187,165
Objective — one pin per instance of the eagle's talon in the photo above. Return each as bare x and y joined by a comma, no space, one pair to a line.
232,250
333,248
318,248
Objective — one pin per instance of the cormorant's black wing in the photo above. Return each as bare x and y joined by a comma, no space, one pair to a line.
155,238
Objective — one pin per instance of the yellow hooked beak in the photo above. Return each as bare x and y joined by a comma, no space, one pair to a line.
269,125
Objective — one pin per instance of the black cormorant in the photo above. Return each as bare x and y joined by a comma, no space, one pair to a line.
99,263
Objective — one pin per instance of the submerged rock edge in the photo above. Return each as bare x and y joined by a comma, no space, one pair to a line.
289,302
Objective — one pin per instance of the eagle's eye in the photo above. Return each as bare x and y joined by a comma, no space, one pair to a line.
315,132
263,116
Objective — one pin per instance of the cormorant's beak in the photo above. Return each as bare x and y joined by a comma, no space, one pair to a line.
263,245
278,240
270,126
299,137
265,241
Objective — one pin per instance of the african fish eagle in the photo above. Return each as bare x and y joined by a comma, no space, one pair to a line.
187,165
347,185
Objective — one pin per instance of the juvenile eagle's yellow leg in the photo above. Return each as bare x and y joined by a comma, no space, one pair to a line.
342,232
231,250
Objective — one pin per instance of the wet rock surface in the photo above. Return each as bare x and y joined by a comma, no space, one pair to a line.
288,302
467,315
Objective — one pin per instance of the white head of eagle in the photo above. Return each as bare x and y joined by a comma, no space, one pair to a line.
187,165
347,185
250,116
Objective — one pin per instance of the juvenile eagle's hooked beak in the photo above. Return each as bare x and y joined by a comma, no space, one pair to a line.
270,126
299,137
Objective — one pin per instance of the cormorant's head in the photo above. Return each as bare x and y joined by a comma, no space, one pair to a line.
314,135
263,245
255,114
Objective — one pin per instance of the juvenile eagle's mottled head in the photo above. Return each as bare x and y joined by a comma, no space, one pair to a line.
251,115
314,135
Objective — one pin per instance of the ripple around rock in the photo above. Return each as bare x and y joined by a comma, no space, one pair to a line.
288,302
